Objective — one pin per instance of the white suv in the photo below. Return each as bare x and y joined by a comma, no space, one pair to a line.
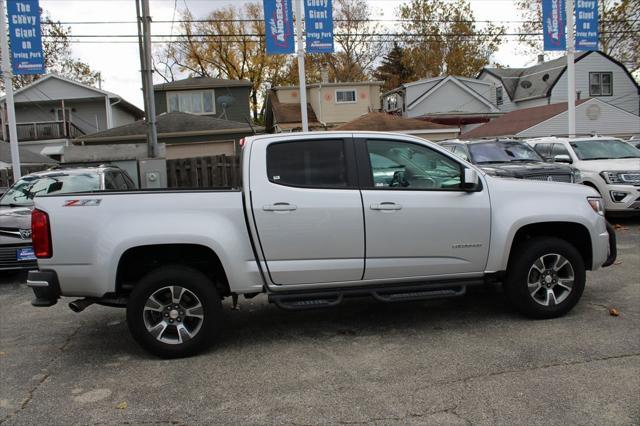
609,165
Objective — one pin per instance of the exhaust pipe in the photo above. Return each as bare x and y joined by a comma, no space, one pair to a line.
80,305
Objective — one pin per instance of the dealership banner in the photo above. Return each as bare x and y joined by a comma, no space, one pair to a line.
554,21
586,24
279,27
25,36
319,25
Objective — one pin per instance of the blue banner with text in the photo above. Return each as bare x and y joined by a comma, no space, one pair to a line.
586,24
318,15
554,21
25,36
279,27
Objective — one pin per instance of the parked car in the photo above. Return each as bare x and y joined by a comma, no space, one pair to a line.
634,142
16,251
317,221
512,159
609,165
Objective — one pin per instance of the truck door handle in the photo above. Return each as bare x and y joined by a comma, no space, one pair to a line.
279,207
387,205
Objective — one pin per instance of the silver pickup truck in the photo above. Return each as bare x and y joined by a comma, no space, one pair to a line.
319,217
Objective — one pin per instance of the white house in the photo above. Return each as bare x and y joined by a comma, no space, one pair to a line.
593,116
597,76
53,110
448,100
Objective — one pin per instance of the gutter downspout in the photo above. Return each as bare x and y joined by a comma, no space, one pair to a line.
111,110
107,106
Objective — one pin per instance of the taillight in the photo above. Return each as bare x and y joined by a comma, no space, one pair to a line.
40,234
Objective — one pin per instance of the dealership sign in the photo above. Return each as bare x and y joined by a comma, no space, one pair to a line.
279,26
587,25
25,36
553,24
319,25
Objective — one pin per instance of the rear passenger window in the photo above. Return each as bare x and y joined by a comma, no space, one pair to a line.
544,150
318,164
559,149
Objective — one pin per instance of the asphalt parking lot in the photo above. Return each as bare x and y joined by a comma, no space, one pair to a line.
463,361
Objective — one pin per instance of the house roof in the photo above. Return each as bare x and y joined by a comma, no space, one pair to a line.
26,156
519,120
534,81
338,84
457,82
383,122
200,83
137,112
171,123
543,77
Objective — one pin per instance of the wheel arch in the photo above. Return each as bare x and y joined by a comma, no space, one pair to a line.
137,261
574,233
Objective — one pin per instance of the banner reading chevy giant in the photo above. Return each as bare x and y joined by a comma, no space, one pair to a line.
25,36
554,21
279,26
318,16
586,24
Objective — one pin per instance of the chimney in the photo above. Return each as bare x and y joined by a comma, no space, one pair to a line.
541,58
324,73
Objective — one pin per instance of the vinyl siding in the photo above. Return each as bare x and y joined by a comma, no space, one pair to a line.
449,97
625,92
507,105
90,117
120,117
54,89
610,121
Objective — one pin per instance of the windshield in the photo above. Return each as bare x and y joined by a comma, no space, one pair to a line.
502,152
23,191
604,149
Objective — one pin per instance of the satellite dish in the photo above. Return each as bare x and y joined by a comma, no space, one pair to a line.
226,101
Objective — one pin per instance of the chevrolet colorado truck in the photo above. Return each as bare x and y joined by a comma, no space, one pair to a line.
319,217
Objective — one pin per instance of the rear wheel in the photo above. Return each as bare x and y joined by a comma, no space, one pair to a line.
546,277
174,311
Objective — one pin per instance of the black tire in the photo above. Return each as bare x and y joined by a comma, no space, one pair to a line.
521,264
199,289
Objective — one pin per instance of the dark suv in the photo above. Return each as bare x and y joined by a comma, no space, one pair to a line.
16,204
511,158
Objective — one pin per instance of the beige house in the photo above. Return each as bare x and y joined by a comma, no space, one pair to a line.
332,104
384,122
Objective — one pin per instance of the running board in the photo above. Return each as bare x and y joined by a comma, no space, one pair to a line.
303,300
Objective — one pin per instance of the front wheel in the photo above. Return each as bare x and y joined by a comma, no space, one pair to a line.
174,311
545,278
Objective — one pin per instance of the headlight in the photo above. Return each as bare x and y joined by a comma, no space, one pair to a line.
576,175
621,178
596,204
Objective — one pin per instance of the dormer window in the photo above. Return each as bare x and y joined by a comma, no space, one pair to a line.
600,84
193,101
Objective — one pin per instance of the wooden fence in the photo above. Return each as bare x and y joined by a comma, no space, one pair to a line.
204,172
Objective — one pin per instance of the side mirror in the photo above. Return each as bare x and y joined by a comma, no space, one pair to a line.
470,181
562,158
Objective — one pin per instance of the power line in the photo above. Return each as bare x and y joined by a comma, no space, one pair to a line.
196,21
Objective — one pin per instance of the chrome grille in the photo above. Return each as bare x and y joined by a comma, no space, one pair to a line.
8,259
551,178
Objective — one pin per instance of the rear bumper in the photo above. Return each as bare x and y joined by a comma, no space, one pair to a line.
613,249
45,287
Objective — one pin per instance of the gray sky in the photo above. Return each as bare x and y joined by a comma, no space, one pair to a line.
119,63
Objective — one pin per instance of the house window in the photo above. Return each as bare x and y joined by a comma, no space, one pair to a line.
194,102
600,84
499,99
345,96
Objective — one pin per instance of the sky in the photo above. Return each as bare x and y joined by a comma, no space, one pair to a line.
119,63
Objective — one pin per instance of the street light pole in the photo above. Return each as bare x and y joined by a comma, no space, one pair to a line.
299,11
147,77
7,76
571,70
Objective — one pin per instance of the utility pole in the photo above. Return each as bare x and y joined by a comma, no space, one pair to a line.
147,76
571,70
299,11
7,76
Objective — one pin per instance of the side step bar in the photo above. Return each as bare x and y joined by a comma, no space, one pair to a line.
303,300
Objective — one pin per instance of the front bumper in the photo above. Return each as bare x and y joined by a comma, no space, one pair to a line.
613,249
45,286
621,198
9,260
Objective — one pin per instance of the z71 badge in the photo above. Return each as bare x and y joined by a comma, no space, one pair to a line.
92,202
